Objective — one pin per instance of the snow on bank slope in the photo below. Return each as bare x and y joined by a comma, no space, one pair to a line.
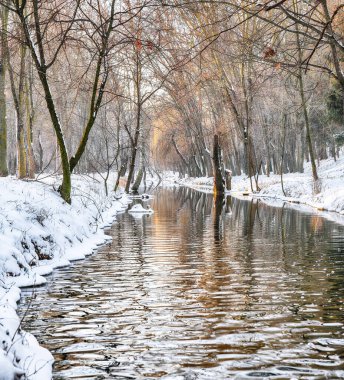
40,232
298,186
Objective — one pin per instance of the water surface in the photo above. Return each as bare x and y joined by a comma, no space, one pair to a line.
194,292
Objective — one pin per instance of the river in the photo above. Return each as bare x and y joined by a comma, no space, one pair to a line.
247,292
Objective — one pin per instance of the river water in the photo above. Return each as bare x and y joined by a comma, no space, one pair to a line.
194,292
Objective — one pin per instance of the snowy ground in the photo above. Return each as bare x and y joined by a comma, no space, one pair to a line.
40,232
298,187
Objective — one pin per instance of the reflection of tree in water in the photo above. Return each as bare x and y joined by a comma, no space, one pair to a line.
219,202
277,234
228,205
193,209
225,243
302,247
132,232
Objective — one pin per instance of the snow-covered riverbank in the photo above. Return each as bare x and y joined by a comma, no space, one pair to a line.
298,186
40,232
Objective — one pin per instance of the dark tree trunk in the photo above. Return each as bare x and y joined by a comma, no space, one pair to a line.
219,188
138,181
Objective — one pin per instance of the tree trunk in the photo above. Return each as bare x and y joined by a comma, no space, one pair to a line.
66,186
3,67
40,153
180,155
305,111
219,188
18,99
37,53
282,152
134,151
308,129
138,180
31,165
135,141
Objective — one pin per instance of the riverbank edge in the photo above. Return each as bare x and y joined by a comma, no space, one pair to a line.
277,201
297,190
20,353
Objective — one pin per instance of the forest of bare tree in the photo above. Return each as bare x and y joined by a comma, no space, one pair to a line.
135,86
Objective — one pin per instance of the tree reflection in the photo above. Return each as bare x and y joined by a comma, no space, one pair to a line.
219,201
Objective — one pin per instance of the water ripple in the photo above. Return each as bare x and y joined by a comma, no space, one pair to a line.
190,294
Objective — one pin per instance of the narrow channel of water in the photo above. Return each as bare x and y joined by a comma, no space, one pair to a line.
256,292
